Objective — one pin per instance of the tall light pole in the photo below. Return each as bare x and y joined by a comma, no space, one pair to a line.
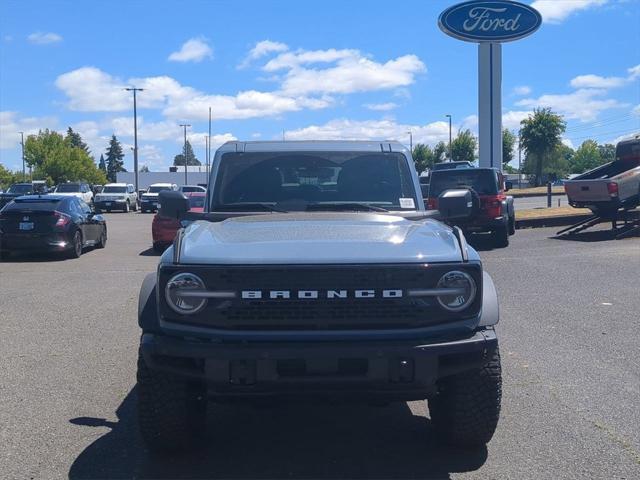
185,125
410,141
209,149
24,173
135,133
519,163
450,157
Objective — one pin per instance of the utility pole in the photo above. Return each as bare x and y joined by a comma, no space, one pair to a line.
24,173
410,142
135,133
450,152
209,149
185,125
519,163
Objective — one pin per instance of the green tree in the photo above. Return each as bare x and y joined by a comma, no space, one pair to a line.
115,159
587,157
75,140
102,165
508,142
56,160
607,152
178,160
7,177
440,151
463,147
422,157
144,169
540,136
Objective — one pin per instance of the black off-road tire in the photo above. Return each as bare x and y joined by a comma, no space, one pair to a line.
512,225
171,410
466,410
500,237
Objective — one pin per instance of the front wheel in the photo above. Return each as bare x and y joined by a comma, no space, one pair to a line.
466,410
171,410
102,241
126,207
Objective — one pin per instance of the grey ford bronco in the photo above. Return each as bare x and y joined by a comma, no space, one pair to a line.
315,271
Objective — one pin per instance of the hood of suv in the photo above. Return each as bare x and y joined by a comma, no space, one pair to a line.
304,238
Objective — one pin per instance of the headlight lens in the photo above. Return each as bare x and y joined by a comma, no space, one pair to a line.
180,284
465,292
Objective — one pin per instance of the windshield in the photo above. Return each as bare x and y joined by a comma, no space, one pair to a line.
196,202
314,178
68,188
158,189
19,189
192,189
33,204
484,182
114,190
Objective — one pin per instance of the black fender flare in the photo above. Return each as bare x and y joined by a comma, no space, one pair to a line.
147,305
490,309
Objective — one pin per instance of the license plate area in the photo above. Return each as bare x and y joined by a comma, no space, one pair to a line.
25,226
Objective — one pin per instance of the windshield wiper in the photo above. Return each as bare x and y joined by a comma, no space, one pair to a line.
247,207
355,206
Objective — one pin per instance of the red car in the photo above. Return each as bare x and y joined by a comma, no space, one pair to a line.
163,229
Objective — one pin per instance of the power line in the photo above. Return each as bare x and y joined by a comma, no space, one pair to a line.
623,132
599,124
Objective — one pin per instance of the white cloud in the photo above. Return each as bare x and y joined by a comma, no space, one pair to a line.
347,71
42,38
634,73
381,107
522,90
584,104
636,110
555,11
386,129
567,142
596,81
261,49
193,50
11,124
512,118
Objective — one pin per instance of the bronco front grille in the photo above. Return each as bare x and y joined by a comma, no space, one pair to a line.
320,313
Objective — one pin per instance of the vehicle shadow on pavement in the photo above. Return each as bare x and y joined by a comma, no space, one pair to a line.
42,257
285,441
595,236
149,252
482,242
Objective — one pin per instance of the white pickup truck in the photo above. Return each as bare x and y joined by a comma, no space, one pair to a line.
610,187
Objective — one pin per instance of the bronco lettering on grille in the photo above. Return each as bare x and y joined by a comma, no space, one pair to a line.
318,294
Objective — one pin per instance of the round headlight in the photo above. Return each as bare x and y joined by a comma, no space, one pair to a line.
177,293
463,290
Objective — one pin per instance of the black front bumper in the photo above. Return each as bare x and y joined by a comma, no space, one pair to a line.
391,370
149,205
110,205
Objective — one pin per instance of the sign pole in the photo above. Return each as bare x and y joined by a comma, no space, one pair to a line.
490,104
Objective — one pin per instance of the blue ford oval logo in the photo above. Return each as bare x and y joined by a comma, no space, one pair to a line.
489,21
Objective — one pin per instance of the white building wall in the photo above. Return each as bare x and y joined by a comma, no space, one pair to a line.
147,178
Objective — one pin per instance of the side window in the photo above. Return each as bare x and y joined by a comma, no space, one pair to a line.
83,207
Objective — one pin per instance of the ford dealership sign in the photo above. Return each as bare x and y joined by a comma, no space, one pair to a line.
489,21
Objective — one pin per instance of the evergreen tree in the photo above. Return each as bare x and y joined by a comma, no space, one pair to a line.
178,160
102,166
75,140
115,158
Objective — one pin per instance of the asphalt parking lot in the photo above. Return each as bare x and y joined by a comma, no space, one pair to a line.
569,341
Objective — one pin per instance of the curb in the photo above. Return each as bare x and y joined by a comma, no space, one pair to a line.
550,221
531,195
560,220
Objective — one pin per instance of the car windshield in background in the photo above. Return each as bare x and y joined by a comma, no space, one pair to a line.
196,202
299,180
68,188
19,189
191,189
484,182
114,190
36,205
158,189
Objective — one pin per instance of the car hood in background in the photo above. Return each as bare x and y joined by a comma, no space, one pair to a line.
304,238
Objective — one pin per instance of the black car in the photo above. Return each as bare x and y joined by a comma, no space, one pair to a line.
50,223
14,191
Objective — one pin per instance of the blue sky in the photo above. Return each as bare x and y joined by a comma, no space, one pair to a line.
325,69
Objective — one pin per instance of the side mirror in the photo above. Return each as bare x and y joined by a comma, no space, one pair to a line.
455,204
508,185
172,204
